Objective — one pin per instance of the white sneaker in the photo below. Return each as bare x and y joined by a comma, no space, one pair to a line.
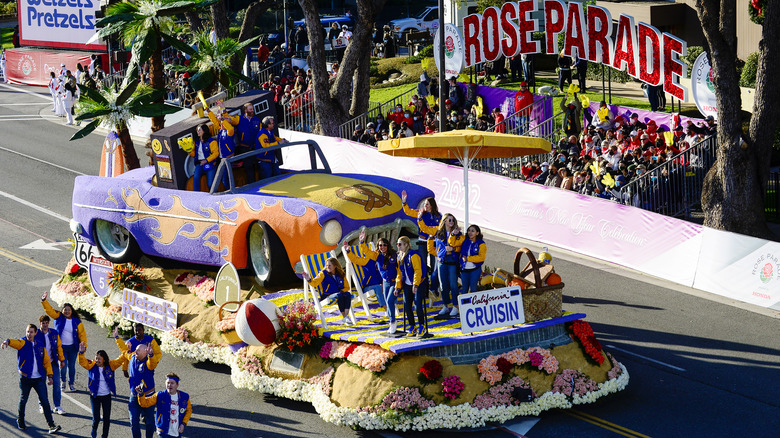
455,311
444,310
346,321
58,410
393,327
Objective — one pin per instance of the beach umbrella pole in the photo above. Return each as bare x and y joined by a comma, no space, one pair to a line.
466,164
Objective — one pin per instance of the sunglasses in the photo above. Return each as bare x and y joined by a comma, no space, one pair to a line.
382,244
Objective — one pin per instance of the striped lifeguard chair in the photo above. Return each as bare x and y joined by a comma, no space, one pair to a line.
312,265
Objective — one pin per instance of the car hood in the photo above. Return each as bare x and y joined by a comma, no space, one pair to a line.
400,21
354,196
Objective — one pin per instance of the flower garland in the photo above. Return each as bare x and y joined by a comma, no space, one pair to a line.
452,386
198,352
226,324
587,339
430,371
494,368
75,288
441,416
756,11
297,325
249,362
369,356
200,285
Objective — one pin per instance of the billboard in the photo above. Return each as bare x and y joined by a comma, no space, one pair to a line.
58,23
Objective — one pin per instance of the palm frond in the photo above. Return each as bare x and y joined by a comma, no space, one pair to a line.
85,131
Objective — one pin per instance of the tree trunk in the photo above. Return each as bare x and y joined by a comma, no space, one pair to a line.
253,11
734,189
131,158
157,81
196,24
220,20
347,96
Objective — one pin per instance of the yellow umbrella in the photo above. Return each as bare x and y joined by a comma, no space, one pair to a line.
465,145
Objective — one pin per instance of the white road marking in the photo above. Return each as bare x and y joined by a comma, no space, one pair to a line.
30,116
646,358
46,97
24,104
40,161
46,282
34,206
41,244
28,119
76,402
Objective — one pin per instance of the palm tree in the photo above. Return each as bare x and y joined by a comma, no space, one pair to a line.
115,109
141,24
210,63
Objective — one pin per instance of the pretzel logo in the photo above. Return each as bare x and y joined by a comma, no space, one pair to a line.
367,195
538,307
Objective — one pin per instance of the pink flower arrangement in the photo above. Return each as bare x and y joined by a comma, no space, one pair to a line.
181,334
227,323
500,395
249,362
571,382
616,370
369,356
493,368
404,400
200,285
75,288
114,308
323,379
452,387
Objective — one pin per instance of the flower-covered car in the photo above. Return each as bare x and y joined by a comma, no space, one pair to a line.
266,225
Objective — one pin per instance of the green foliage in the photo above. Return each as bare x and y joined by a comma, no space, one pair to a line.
748,76
753,11
690,58
8,8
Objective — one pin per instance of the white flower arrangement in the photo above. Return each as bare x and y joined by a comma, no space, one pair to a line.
198,352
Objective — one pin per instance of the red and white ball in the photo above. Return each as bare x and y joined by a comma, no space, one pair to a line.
257,322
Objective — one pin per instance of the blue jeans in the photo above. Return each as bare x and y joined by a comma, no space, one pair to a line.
418,298
71,355
344,301
390,299
210,174
102,402
448,277
56,391
470,280
39,385
377,288
268,169
135,418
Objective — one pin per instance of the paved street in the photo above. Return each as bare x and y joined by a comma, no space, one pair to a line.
700,365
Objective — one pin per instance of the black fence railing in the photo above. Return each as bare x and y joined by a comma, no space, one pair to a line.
674,187
374,109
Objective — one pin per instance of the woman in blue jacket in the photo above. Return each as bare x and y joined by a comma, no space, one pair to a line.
385,260
472,256
413,281
72,333
333,281
206,153
446,246
428,220
101,385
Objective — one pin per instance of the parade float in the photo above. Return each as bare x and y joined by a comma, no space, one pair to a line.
513,351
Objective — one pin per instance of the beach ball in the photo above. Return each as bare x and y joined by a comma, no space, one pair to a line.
257,322
544,257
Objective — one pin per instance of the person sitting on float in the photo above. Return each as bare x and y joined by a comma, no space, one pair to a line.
206,153
384,260
334,283
265,139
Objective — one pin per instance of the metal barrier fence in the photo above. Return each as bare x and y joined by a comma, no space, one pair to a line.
299,114
772,200
674,187
346,129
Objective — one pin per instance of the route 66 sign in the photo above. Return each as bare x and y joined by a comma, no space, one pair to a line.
98,271
83,251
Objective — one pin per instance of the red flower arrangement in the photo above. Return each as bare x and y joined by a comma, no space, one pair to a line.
431,371
297,325
75,269
584,333
504,365
350,350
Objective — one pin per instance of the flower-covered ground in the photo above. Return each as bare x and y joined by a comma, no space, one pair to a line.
365,386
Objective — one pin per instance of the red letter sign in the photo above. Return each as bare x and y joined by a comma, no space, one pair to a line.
576,37
649,54
625,46
511,44
673,68
471,40
527,26
600,45
491,44
554,20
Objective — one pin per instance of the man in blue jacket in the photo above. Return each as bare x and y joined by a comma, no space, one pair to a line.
34,364
173,407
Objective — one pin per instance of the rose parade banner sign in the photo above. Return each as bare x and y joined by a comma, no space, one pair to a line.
149,310
641,50
491,309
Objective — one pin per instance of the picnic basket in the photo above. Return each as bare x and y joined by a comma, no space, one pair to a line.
539,301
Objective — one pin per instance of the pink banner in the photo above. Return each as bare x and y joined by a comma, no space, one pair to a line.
661,119
32,67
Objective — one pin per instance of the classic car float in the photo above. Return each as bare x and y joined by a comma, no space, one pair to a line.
264,226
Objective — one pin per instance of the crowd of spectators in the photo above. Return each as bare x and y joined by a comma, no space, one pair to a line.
613,152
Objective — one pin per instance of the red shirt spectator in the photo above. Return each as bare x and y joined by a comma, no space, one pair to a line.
498,118
262,54
524,99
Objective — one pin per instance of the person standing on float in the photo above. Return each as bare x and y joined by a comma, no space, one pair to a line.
412,279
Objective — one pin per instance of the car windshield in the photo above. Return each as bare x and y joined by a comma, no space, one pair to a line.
423,14
288,158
